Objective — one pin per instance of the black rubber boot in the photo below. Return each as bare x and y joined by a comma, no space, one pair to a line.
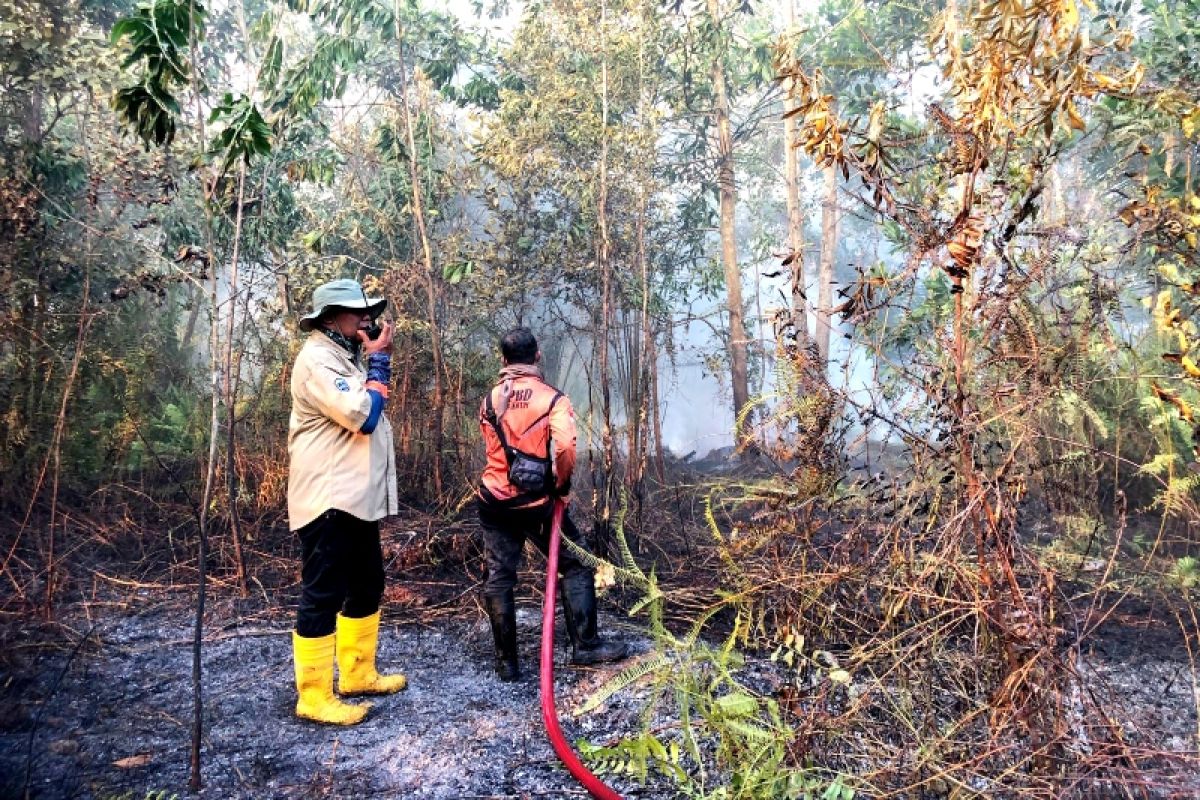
502,612
579,611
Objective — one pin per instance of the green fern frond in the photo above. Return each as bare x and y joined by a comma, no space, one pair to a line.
730,640
589,559
693,634
1160,464
755,733
625,678
711,520
751,404
653,595
683,702
1186,572
627,560
735,572
1177,497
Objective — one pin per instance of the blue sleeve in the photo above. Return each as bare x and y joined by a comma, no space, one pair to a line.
379,368
375,414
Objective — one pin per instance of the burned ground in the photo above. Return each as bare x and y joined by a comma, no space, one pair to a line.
97,702
109,714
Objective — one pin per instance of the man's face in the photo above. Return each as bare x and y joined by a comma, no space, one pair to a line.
349,322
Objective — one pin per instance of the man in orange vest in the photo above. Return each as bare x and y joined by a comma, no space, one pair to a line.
528,427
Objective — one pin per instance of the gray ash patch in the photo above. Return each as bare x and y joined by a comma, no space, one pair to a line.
99,706
118,722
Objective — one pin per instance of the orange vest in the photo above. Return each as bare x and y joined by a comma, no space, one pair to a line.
532,422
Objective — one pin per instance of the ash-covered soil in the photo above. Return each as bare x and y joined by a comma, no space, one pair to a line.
1139,668
98,702
105,711
111,716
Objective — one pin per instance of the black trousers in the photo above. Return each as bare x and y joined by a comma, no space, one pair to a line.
342,571
504,535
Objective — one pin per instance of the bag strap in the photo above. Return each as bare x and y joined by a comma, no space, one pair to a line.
532,425
490,416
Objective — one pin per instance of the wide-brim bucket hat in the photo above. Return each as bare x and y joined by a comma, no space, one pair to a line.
343,293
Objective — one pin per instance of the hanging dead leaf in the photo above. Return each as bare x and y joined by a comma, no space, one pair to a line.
1168,396
1190,367
964,247
1074,118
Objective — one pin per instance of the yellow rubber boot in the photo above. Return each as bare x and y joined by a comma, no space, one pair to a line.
356,643
314,682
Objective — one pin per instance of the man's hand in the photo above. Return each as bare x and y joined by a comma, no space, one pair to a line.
380,344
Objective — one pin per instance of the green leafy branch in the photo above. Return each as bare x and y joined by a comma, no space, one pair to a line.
245,133
159,33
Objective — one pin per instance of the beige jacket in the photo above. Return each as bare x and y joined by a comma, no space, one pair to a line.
332,465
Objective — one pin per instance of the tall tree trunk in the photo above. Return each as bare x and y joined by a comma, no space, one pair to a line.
605,489
660,457
799,301
404,411
189,328
726,188
640,413
31,117
210,475
207,185
229,391
60,424
432,287
829,243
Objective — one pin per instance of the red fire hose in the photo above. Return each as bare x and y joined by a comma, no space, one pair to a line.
596,787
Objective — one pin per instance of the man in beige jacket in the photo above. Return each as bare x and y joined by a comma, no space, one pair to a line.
341,482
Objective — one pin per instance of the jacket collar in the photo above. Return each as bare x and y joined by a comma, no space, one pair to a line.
327,342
